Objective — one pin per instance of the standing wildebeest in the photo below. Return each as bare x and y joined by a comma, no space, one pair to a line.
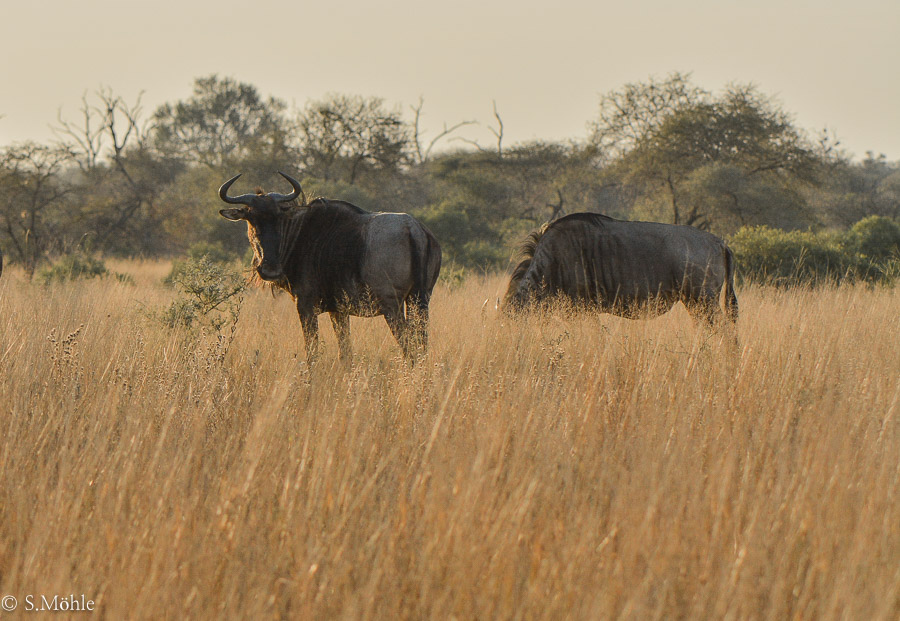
623,267
334,257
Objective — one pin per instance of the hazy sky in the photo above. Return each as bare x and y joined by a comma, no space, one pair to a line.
833,64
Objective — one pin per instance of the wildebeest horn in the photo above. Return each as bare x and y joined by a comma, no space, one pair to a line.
235,200
298,191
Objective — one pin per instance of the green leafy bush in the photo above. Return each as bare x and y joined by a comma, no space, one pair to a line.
209,294
452,274
78,267
773,256
876,237
213,252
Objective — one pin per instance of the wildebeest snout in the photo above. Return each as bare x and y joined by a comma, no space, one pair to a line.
268,270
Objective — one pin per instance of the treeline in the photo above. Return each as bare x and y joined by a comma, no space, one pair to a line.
120,182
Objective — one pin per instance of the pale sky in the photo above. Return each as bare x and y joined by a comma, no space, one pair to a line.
831,63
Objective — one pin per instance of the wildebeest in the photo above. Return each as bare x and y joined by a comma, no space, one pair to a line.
334,257
625,267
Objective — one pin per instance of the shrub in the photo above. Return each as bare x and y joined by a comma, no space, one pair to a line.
869,251
452,274
876,237
210,294
768,255
213,252
78,267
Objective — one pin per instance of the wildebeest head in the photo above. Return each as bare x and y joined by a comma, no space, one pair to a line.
522,287
266,215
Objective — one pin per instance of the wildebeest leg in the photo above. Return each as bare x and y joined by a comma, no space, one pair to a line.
704,311
731,315
341,324
399,327
417,321
310,323
731,305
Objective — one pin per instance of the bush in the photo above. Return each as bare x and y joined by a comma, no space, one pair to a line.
452,274
773,256
213,252
78,267
210,294
876,237
768,255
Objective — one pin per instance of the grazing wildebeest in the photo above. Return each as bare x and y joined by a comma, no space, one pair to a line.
625,267
334,257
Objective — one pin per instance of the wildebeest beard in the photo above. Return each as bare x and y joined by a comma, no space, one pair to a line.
286,231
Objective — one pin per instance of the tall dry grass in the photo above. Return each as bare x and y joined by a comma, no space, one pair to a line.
583,467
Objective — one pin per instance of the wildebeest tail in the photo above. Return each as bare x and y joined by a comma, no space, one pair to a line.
525,255
731,303
425,261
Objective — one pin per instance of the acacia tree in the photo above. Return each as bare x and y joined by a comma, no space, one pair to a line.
662,135
345,136
630,116
853,190
120,176
222,123
32,189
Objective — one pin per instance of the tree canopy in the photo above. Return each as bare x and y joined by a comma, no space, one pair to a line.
223,122
123,183
344,137
709,161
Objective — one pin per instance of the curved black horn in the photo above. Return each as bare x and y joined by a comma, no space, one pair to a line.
298,191
234,200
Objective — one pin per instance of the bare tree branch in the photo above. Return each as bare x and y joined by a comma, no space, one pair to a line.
86,141
422,156
111,122
498,134
499,131
558,207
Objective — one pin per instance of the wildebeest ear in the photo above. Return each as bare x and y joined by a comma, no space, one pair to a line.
234,213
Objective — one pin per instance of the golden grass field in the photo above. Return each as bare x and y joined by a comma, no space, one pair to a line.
552,467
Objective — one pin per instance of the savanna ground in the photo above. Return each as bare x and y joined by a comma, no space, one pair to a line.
558,466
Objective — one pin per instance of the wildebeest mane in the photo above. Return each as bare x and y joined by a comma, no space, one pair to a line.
593,218
324,241
321,201
525,252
